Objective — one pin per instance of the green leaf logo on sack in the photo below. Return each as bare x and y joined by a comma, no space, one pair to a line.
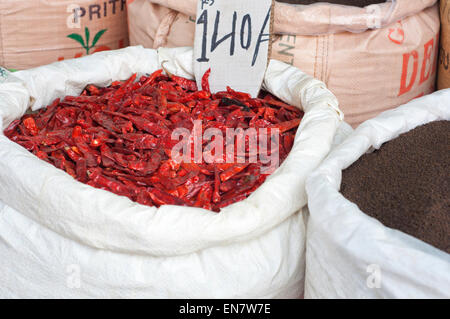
85,42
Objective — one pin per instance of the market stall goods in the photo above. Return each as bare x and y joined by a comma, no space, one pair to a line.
37,32
62,238
379,209
406,184
384,53
121,139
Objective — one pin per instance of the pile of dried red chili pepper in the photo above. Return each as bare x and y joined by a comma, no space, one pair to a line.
119,139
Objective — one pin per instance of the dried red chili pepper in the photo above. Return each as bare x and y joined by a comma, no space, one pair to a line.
185,84
152,78
30,125
205,81
118,138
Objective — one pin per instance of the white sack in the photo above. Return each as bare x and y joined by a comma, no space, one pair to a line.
55,230
347,249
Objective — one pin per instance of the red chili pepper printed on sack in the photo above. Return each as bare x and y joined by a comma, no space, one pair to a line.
161,141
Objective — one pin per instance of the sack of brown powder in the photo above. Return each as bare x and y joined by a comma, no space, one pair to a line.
382,231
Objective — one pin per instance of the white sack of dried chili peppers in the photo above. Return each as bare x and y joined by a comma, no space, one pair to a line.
63,238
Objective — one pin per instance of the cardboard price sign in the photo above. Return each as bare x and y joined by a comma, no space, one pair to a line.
232,38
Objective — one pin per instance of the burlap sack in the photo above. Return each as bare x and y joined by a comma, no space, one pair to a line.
373,58
38,32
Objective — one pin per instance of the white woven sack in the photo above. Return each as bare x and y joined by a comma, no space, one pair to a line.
352,255
61,238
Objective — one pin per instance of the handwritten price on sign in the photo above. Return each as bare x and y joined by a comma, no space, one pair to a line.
245,34
232,39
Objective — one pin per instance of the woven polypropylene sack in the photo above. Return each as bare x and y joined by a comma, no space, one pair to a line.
352,255
62,238
373,58
38,32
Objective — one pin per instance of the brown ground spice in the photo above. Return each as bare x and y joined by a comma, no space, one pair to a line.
406,184
355,3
